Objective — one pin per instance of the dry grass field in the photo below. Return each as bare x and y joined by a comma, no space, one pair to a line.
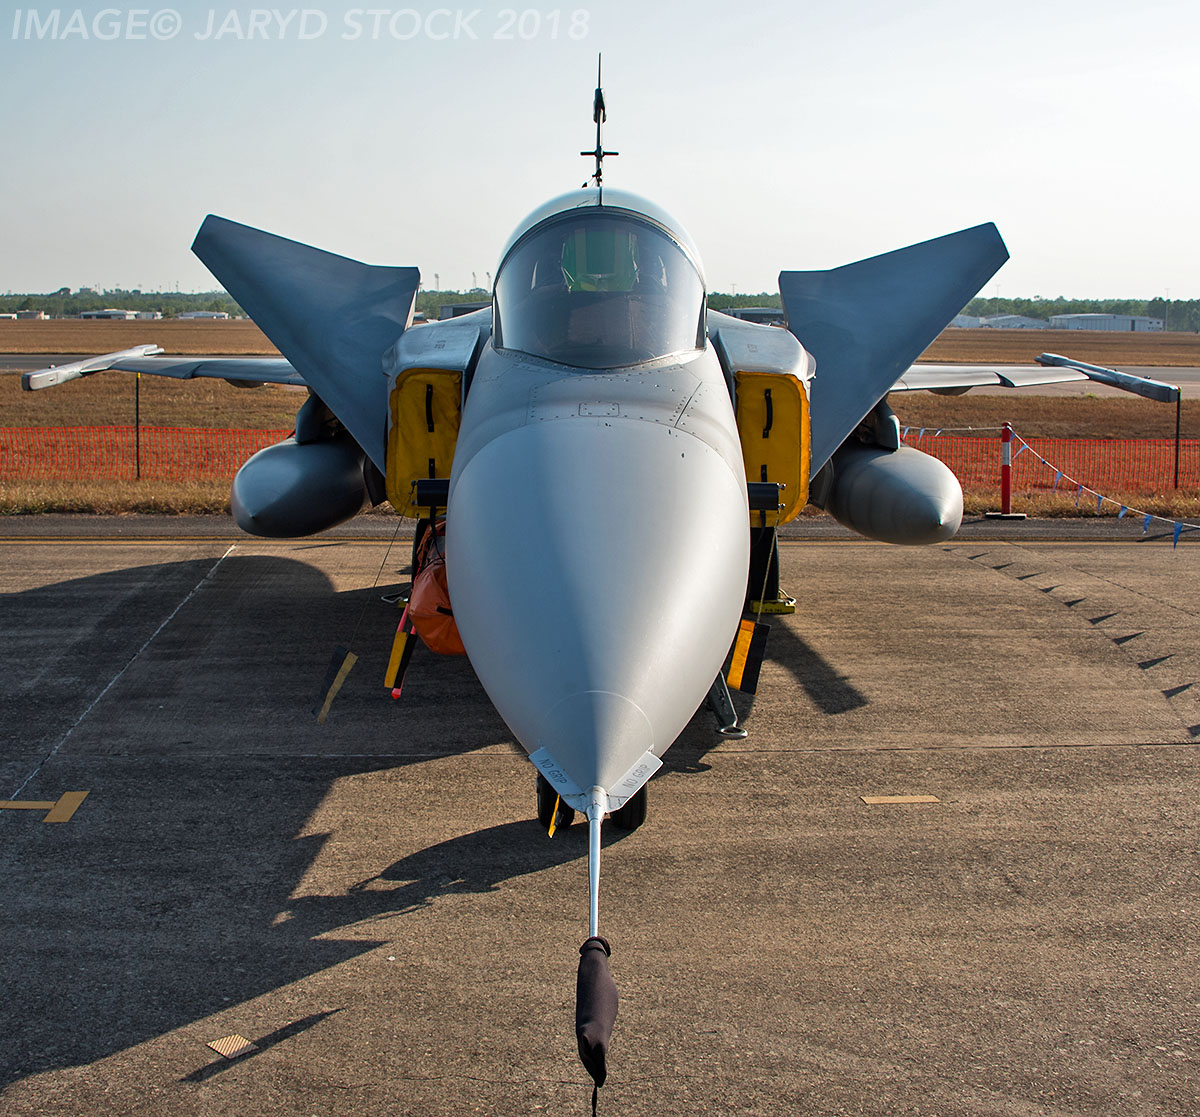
1048,416
114,498
241,337
108,399
1097,347
213,336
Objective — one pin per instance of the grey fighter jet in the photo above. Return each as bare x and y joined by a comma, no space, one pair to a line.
610,456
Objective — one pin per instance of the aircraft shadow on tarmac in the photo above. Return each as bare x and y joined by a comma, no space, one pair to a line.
159,904
479,862
831,692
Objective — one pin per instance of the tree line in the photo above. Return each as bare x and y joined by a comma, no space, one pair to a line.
65,303
1180,314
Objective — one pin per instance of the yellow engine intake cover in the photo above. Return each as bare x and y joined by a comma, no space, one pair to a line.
425,410
773,424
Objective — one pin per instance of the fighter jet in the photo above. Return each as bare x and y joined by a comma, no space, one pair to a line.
611,459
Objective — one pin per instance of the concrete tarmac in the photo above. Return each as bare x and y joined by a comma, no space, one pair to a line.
369,902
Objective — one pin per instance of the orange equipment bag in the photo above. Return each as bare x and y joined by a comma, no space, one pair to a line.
429,606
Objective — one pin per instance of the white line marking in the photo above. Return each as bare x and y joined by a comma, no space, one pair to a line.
116,678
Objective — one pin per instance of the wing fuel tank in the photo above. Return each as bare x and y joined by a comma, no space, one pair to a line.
292,489
895,496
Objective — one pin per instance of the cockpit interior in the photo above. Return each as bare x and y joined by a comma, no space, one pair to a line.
599,289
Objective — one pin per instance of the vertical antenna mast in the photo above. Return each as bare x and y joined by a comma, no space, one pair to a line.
599,116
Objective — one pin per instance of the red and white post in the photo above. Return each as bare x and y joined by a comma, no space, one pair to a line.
1006,470
1006,512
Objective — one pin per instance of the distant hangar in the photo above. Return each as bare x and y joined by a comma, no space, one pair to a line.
1126,323
1118,323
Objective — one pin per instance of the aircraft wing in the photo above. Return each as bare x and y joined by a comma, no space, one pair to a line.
954,380
957,379
242,371
332,317
866,322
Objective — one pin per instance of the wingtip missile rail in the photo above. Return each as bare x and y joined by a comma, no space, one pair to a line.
1138,385
54,375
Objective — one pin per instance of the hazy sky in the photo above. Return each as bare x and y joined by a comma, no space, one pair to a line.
782,134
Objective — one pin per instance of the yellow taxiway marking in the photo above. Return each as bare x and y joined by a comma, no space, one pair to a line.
991,541
375,541
387,541
230,1047
59,811
190,540
877,800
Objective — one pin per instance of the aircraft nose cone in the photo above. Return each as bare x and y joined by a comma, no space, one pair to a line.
597,573
592,717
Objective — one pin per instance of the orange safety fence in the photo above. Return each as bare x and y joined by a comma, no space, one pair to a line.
126,453
192,453
1121,465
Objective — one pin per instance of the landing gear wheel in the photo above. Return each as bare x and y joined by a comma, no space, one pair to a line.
546,798
632,814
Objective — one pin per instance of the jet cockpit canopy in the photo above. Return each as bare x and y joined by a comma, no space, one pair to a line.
598,287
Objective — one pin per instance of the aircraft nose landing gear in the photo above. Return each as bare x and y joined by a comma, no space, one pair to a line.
632,813
552,812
